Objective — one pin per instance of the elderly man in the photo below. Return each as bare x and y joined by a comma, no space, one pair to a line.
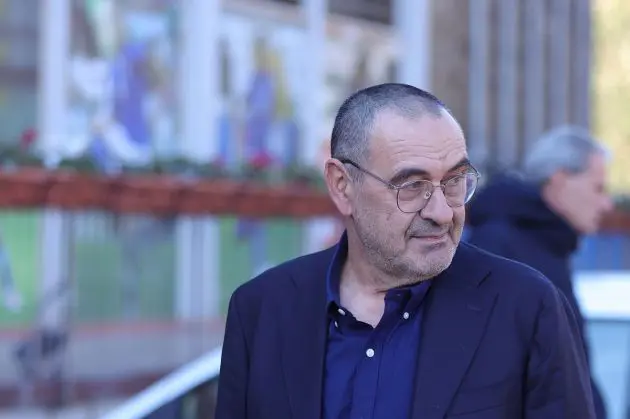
401,320
538,217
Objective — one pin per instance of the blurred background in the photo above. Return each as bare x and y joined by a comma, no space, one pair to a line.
100,299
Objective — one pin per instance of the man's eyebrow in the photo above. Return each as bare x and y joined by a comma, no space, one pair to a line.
463,163
407,172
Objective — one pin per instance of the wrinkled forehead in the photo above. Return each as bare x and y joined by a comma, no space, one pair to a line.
429,143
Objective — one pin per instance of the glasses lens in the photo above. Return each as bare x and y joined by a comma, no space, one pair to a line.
414,196
458,191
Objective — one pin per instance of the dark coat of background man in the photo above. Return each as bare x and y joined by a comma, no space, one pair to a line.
537,217
401,320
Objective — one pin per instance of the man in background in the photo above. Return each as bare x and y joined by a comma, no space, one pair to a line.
539,217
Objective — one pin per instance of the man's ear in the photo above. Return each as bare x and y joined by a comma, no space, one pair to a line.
339,185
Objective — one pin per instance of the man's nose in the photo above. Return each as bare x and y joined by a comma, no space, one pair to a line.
437,210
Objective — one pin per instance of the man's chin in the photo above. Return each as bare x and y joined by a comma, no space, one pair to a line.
434,263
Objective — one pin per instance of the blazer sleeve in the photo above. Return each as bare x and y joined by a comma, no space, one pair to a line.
558,378
233,377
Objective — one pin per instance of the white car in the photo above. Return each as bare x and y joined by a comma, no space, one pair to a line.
187,393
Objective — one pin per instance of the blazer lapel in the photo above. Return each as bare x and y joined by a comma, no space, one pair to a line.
304,340
454,321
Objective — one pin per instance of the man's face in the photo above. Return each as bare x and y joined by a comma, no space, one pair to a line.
583,196
420,245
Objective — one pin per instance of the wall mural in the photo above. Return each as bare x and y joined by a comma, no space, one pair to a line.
122,109
122,81
356,57
264,105
259,123
19,253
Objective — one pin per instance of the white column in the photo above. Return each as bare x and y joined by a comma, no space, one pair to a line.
199,73
316,12
478,132
507,100
534,71
412,21
184,267
52,105
581,41
197,251
53,63
314,69
559,56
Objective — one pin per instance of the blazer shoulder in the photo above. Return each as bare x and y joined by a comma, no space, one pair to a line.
278,279
513,276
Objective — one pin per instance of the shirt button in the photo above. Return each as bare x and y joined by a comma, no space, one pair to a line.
405,315
343,313
370,353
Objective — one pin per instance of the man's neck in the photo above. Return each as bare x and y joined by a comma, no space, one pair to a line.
362,289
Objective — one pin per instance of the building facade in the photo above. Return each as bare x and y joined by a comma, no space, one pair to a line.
243,80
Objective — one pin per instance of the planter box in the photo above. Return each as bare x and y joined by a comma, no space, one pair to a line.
24,188
307,204
78,191
208,197
158,194
153,194
256,201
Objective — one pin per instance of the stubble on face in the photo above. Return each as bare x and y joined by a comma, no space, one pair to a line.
385,233
399,265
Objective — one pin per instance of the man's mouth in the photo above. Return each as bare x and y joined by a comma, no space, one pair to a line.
430,237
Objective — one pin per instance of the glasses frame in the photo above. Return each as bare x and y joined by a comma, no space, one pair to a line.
398,188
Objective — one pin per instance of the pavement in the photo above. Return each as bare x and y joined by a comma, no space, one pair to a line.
106,362
82,411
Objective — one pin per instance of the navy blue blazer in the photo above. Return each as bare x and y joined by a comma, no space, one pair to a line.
498,342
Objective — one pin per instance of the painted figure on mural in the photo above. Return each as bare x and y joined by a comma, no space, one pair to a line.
230,114
330,229
259,115
121,83
122,107
268,136
109,77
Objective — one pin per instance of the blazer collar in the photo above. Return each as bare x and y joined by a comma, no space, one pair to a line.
454,319
304,338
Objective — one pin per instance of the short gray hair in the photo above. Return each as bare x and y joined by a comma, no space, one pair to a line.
355,118
565,148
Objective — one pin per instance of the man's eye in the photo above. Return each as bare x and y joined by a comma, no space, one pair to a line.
415,186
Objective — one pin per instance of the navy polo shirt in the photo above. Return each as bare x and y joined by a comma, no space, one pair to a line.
370,372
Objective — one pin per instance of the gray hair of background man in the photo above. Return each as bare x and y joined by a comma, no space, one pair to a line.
567,148
355,119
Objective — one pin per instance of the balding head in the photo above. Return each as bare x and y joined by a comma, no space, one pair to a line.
355,120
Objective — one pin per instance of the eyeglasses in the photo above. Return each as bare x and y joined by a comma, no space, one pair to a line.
414,195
